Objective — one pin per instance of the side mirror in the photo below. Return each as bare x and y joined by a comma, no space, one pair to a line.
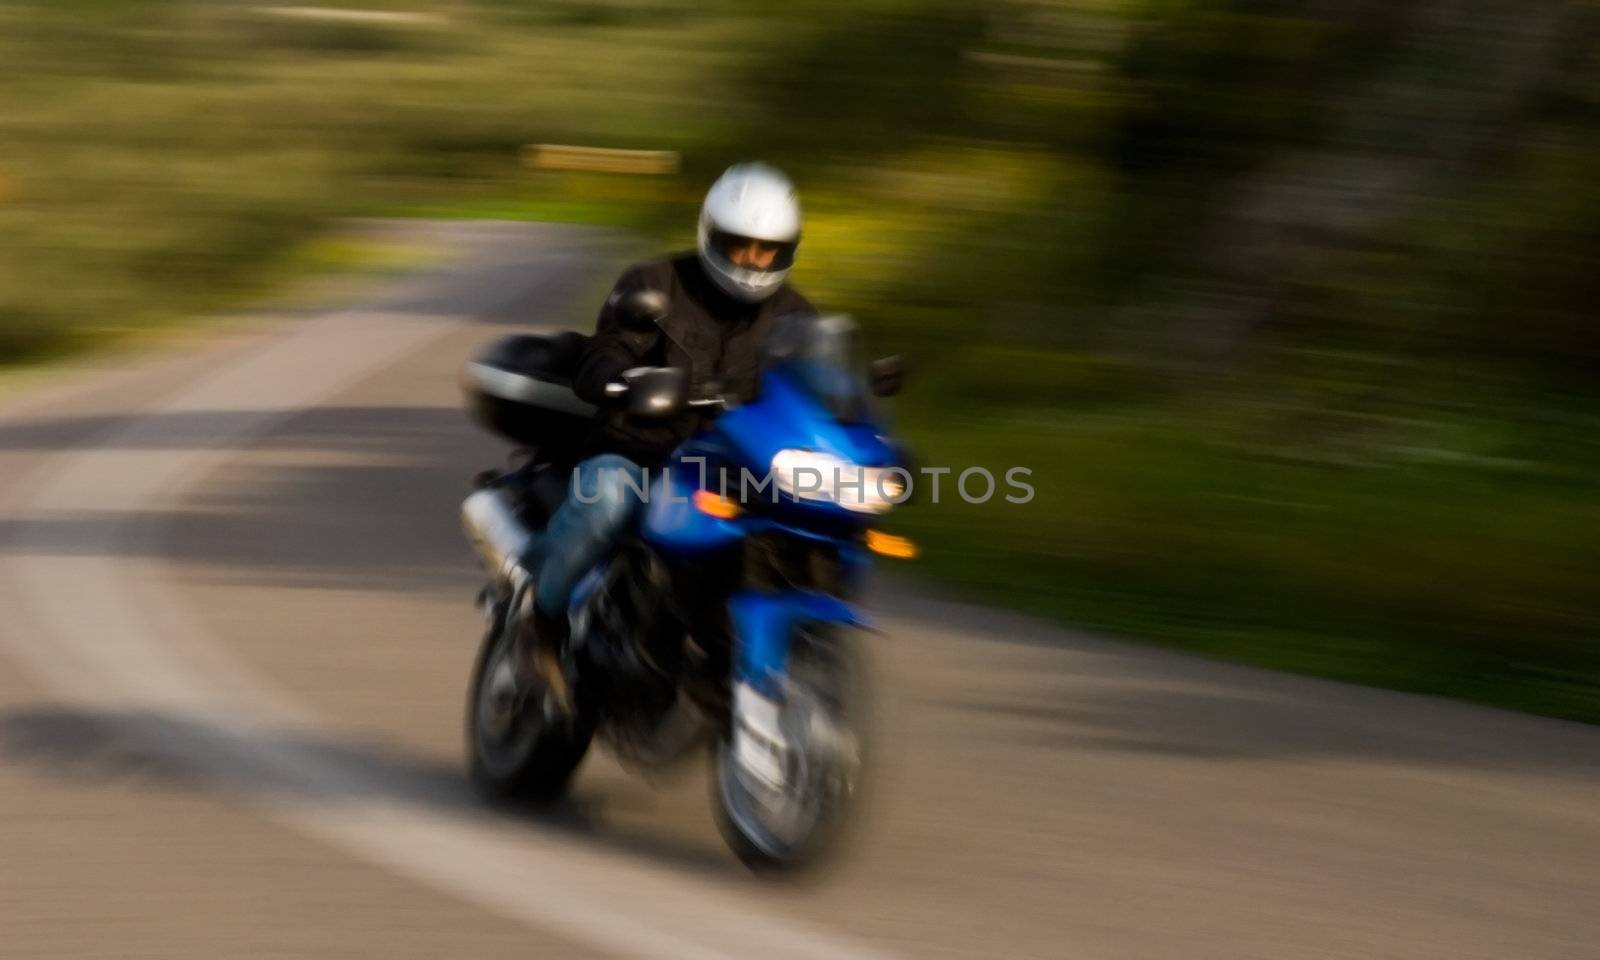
655,393
887,375
642,309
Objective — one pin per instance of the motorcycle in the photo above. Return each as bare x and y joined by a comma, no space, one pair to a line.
728,617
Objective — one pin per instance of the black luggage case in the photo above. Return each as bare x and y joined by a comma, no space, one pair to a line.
520,388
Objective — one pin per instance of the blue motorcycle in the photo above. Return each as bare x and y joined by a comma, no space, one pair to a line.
729,617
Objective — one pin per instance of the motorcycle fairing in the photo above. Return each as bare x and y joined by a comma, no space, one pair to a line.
672,523
763,624
788,416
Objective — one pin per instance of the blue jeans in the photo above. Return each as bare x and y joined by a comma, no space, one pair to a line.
602,502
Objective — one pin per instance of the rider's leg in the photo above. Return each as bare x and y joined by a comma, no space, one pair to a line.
606,495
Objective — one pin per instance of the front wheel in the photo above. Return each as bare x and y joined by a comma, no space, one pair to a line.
519,750
784,808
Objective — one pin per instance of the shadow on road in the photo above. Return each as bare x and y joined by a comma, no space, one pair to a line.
1223,722
333,498
185,753
396,429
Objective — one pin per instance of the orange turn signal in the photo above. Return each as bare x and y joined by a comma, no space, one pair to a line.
889,545
715,505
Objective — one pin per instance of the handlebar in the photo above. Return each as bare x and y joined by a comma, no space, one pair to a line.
620,390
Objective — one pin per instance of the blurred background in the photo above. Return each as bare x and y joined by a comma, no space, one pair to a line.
1288,304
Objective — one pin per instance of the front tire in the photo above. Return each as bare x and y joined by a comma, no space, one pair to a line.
518,750
823,718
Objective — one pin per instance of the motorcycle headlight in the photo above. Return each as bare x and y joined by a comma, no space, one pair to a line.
810,475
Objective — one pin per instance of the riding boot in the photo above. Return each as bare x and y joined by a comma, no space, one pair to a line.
540,644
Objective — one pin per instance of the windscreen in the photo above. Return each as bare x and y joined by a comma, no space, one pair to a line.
821,354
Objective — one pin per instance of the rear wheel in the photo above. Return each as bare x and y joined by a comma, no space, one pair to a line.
520,747
788,821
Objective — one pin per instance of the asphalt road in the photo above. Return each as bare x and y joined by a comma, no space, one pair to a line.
235,630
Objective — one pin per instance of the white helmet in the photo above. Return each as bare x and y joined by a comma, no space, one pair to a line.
751,201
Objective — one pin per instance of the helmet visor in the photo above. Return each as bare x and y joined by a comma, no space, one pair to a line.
749,253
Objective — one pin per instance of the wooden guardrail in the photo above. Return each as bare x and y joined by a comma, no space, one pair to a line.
556,156
407,18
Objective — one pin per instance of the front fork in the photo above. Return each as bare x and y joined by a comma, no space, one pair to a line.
765,625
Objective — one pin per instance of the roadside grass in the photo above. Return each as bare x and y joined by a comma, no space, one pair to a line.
163,159
1469,581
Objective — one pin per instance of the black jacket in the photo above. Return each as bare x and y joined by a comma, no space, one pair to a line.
717,338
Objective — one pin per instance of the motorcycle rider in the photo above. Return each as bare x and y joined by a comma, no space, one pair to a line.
722,300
